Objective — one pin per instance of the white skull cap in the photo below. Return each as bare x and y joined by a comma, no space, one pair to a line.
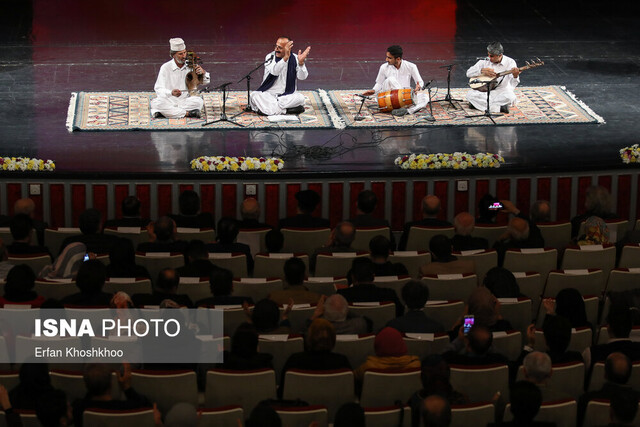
177,44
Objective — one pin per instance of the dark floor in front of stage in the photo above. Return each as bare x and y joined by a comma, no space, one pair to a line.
594,52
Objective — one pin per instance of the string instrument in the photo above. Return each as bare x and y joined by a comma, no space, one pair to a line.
481,82
193,79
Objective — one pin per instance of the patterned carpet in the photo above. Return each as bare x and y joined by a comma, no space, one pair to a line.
536,105
111,111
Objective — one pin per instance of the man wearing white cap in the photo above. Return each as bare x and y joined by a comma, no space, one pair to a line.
277,93
173,100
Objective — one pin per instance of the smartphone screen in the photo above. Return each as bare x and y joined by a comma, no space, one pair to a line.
86,257
496,206
468,323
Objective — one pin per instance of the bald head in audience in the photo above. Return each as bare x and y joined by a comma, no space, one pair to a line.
518,229
541,211
537,367
464,223
430,206
250,209
345,233
436,411
617,368
336,308
24,206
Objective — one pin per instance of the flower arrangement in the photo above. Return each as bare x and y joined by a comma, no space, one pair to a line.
456,160
235,164
26,164
630,154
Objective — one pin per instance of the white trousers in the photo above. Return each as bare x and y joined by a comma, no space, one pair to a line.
176,107
499,97
272,105
420,99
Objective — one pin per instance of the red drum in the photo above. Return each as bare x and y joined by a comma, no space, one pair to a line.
393,99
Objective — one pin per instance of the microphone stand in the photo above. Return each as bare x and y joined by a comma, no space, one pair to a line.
430,117
223,114
248,77
447,97
359,117
487,112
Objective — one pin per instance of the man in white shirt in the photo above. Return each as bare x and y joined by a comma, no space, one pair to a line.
173,100
503,96
277,93
397,73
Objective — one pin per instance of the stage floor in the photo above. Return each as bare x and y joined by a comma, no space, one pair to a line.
51,49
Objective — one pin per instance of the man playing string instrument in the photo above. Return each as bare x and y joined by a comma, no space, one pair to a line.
397,73
503,96
277,93
173,100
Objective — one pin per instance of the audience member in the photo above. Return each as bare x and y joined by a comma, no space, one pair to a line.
122,261
617,371
5,265
597,202
250,213
28,207
121,300
540,212
226,233
267,319
221,286
308,200
198,264
365,205
263,415
557,336
415,295
67,264
436,411
434,376
486,308
34,384
363,289
442,261
53,409
165,288
570,305
319,355
526,400
190,215
390,353
596,232
21,227
487,213
619,329
130,209
517,236
294,274
430,212
340,240
182,414
464,223
538,369
19,288
90,280
335,309
534,232
474,348
90,223
349,415
274,241
379,249
623,409
244,354
97,379
502,283
162,237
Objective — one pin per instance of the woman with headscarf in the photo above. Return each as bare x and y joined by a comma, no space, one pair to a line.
391,353
19,288
34,383
570,305
596,232
318,355
122,261
244,354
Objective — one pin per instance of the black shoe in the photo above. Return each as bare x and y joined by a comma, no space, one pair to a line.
399,112
471,107
193,113
504,109
296,110
158,115
260,113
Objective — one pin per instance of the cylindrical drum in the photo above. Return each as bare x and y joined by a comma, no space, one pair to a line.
393,99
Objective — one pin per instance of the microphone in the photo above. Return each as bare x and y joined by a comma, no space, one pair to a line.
362,96
269,60
427,84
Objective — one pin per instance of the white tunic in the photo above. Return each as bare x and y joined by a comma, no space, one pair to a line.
399,76
170,77
280,69
503,94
